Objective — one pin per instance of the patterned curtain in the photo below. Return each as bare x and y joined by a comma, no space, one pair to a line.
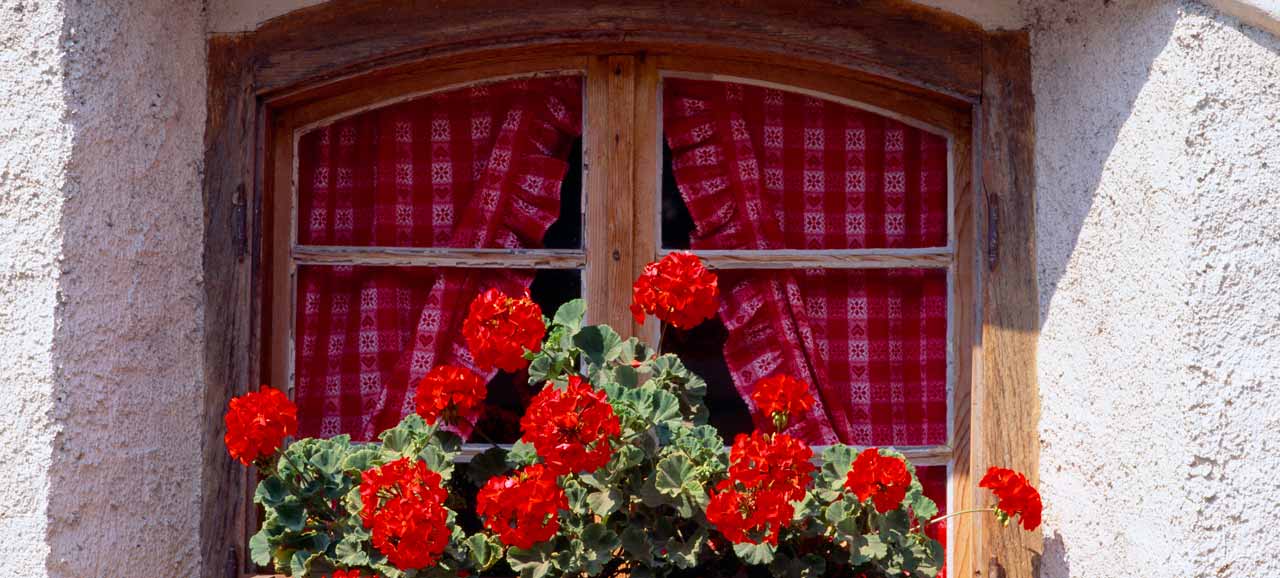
765,169
474,168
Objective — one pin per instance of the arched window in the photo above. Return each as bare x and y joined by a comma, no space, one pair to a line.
837,207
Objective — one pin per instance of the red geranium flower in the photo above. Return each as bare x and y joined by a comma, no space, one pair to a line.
882,479
678,290
451,393
771,462
781,397
257,423
346,574
499,328
402,502
522,509
1016,495
748,516
572,428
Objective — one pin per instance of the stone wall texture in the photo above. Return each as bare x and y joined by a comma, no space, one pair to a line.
1158,235
102,113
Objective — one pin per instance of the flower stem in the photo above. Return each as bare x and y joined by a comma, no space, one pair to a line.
954,514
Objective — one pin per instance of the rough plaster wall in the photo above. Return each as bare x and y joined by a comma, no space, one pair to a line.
1158,225
34,148
103,110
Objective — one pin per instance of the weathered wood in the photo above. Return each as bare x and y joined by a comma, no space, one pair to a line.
620,141
964,327
647,193
826,258
1005,428
230,255
890,38
439,257
882,96
596,159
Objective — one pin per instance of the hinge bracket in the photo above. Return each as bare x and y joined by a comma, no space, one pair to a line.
993,229
239,223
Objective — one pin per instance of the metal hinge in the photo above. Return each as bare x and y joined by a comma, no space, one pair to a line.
993,229
232,567
239,223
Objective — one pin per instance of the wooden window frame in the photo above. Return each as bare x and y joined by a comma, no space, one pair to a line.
973,85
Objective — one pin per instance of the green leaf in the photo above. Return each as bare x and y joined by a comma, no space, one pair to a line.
535,562
291,514
487,464
271,492
521,454
755,554
360,460
350,551
600,344
671,475
570,315
604,502
260,548
483,551
300,563
636,542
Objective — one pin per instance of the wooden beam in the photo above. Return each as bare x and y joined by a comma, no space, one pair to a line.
440,257
1006,428
826,258
890,38
231,254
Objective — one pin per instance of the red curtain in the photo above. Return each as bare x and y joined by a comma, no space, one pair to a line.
765,169
472,168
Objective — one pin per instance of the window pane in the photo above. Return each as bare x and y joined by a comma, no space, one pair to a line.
873,343
486,166
747,167
366,335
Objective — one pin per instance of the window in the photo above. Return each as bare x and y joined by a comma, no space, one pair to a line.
829,206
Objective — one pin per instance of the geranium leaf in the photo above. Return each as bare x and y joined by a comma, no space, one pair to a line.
599,343
671,475
483,551
570,315
271,492
755,554
260,548
604,502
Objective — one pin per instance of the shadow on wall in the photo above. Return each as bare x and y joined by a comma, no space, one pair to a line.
1089,69
124,481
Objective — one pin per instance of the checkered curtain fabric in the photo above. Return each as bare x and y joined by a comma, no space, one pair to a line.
472,168
766,169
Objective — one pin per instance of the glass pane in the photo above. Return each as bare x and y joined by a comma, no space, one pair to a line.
364,335
493,165
747,167
873,342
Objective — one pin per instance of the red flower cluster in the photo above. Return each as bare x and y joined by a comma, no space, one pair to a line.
347,574
773,462
499,328
403,503
522,509
451,393
677,289
748,517
1016,496
766,474
781,397
257,423
572,428
882,479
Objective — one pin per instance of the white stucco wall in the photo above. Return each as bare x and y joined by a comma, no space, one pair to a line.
1158,225
102,112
